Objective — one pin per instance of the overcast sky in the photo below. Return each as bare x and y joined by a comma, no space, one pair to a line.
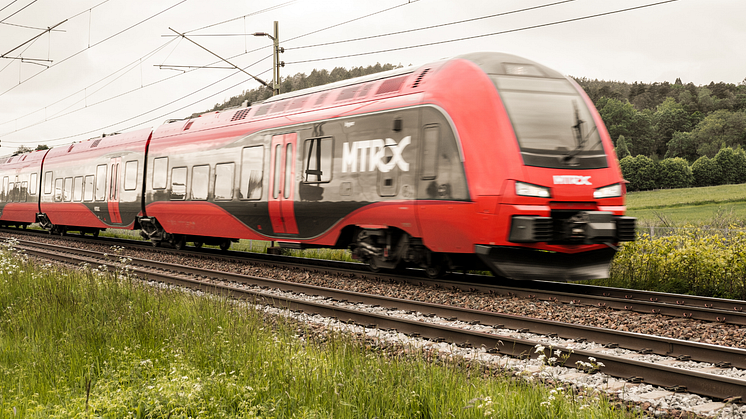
103,73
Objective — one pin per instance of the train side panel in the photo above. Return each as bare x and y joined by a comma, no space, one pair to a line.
20,178
96,184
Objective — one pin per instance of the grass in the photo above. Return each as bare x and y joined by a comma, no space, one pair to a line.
90,343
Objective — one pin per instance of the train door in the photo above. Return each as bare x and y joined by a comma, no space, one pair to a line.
113,198
282,183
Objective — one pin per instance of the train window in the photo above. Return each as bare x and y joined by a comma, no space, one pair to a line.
160,172
33,184
224,180
288,170
178,182
130,175
278,171
88,188
318,160
101,182
23,192
431,139
11,192
58,190
200,180
6,190
67,191
252,172
48,179
78,189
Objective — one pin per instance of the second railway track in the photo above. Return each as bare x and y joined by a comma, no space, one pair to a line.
498,333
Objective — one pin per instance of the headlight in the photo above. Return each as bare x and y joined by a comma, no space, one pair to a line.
527,189
608,191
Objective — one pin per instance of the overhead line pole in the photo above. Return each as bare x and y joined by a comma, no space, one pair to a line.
276,63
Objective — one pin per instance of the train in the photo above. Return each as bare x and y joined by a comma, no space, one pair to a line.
482,161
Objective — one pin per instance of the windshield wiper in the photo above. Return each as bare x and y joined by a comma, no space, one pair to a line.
579,137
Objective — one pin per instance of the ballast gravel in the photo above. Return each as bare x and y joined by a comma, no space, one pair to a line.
655,402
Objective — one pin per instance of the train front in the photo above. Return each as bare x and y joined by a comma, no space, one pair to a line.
560,207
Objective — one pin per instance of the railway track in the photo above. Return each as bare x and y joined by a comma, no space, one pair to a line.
496,333
646,302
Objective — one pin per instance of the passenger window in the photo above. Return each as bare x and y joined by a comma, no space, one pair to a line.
200,180
319,154
160,173
6,189
48,183
58,190
101,182
178,183
430,152
252,172
224,180
78,189
67,192
33,184
88,189
130,175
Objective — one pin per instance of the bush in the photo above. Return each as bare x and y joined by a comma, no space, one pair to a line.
732,164
641,173
694,261
706,172
675,173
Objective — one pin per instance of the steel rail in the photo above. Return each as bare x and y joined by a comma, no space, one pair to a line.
647,302
700,383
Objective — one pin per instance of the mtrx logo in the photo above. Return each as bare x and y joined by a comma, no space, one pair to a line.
572,180
371,153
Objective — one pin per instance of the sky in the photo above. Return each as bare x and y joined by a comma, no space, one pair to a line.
116,65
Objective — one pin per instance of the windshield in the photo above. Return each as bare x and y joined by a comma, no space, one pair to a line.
552,123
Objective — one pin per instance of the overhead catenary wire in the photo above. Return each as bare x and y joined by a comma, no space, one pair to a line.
465,38
94,44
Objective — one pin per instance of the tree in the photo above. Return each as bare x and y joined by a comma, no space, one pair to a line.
731,165
706,172
719,129
682,145
621,148
675,173
669,118
641,172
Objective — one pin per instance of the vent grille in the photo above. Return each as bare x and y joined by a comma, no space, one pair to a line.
625,229
95,143
420,77
189,125
70,148
239,115
263,110
391,85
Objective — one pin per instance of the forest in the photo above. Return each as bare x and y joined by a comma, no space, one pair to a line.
666,135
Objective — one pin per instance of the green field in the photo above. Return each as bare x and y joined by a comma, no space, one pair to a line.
723,205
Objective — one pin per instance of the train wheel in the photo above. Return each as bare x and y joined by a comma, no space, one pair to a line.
225,245
95,233
155,243
179,243
198,244
373,265
435,271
